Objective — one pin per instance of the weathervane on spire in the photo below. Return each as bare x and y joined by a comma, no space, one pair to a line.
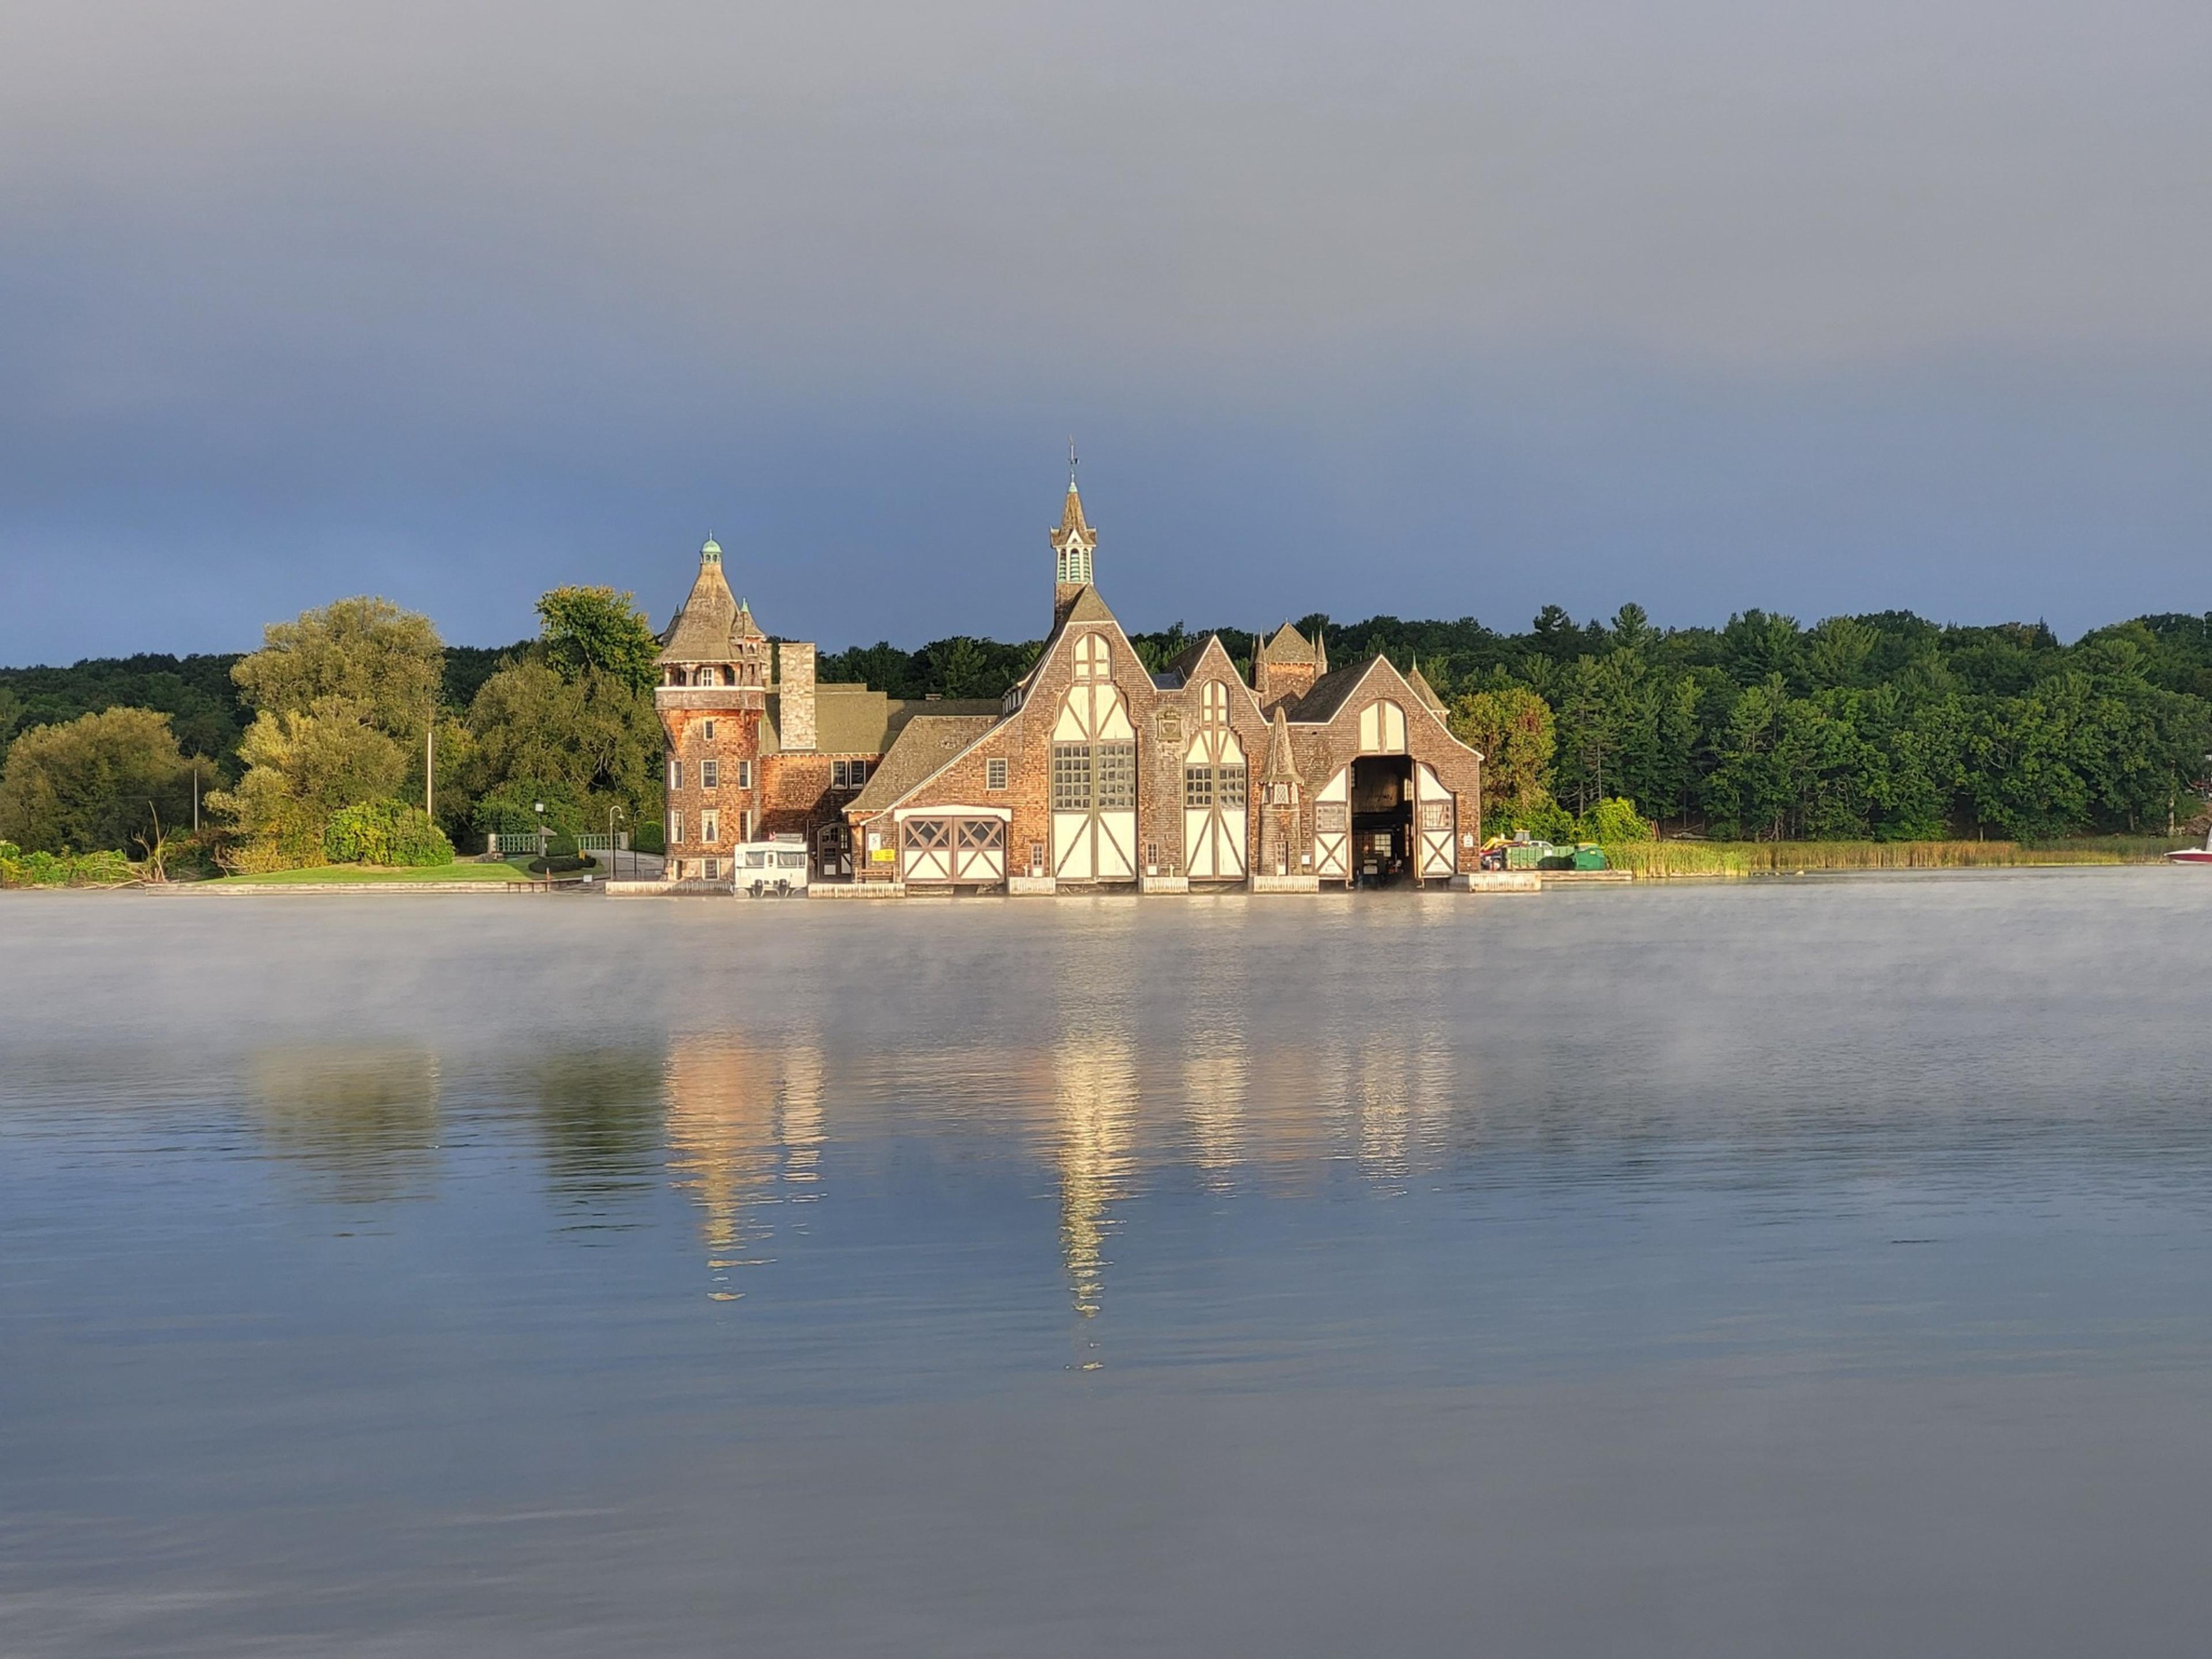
1070,463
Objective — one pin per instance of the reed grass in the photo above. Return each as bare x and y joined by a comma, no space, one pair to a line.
1662,860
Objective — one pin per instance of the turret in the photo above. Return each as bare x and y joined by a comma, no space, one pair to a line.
1072,545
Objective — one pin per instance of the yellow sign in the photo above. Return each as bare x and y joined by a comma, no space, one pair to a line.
883,854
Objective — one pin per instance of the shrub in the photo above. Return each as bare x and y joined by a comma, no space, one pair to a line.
651,836
43,869
1614,819
1546,821
387,832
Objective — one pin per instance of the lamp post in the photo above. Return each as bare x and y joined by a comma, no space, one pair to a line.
613,812
539,807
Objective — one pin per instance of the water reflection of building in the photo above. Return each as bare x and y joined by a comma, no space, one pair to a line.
744,1123
364,1119
1095,1095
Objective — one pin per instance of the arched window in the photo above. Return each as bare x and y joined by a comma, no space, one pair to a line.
1382,729
1214,704
1093,661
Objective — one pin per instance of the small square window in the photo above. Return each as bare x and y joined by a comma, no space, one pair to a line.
994,773
713,869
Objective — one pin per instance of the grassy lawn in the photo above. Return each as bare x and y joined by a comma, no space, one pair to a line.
511,871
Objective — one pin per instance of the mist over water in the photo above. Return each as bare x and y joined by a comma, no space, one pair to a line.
1815,1267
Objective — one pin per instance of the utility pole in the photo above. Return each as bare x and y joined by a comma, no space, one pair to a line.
429,769
196,795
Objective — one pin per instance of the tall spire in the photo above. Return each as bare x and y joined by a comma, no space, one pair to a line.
1072,543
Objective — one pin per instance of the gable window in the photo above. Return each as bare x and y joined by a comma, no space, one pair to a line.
994,773
1117,776
1092,658
708,774
1213,704
1071,777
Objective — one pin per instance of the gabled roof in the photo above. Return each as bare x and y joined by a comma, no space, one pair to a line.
1330,693
1085,607
1288,646
925,746
850,719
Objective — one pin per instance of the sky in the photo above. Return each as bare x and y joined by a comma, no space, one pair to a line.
1426,309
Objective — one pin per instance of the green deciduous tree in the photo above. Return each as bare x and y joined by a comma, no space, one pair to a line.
1512,729
93,783
301,768
598,629
597,737
385,662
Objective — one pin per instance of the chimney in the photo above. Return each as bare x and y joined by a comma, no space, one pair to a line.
794,668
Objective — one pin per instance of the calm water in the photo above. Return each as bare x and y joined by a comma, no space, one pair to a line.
1805,1268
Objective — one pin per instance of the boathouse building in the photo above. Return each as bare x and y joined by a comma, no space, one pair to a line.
1093,771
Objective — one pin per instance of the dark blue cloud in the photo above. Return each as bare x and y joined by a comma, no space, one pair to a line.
1418,312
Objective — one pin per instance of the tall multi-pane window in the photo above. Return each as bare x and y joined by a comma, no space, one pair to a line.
1214,704
744,774
708,732
1233,788
1197,785
675,774
1117,776
675,828
994,773
710,828
709,775
1071,777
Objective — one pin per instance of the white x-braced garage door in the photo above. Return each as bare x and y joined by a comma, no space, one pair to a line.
952,850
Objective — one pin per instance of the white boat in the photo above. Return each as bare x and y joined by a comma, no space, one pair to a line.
2193,854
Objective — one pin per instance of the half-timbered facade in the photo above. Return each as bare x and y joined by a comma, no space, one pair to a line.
1097,772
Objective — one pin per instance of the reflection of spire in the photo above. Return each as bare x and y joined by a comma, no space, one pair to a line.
741,1123
1216,1070
1094,1091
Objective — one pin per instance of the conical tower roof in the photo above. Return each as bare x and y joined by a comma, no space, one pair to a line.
1423,690
1279,767
1074,529
701,629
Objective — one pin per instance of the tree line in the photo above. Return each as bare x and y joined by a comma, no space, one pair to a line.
1883,727
354,734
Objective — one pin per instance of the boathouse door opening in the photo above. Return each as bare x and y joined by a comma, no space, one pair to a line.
1382,820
